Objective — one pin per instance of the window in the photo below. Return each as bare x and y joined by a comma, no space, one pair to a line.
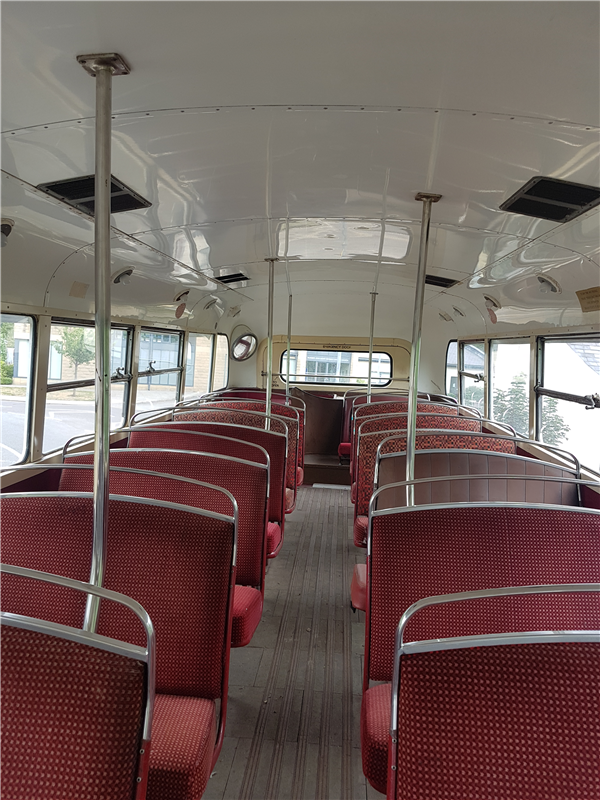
509,371
452,370
16,353
571,366
344,367
221,370
198,365
159,370
472,374
70,410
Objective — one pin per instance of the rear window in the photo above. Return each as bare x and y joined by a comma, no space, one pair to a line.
346,367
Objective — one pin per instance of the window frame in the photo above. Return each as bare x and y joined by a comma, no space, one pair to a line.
283,374
29,415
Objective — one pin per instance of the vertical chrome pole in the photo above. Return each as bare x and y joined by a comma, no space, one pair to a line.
371,329
102,67
415,354
289,347
271,262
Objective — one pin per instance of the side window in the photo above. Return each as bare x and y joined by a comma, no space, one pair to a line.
70,404
198,365
160,368
221,368
452,370
472,375
509,382
571,366
16,365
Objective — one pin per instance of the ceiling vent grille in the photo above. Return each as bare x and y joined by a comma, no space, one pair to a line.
437,280
235,278
79,193
552,199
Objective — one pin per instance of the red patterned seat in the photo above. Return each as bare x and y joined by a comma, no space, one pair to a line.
73,713
425,551
371,433
285,418
174,560
520,718
248,483
274,443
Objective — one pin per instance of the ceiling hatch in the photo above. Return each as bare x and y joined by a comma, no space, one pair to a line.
552,199
437,280
79,193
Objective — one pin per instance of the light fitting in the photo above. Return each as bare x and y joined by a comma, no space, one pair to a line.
122,276
6,227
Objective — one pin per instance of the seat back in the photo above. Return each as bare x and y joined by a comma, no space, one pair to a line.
469,705
237,438
248,483
381,446
76,710
423,551
561,490
279,401
176,561
284,415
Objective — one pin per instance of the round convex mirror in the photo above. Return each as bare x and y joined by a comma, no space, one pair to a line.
244,346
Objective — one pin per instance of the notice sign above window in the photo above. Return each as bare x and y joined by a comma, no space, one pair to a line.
589,299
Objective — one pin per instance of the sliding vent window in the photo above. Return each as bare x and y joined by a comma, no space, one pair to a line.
472,375
221,371
198,365
160,368
452,370
571,367
509,370
340,367
16,335
70,401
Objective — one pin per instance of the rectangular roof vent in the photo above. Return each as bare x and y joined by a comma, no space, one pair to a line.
437,280
553,199
79,193
237,276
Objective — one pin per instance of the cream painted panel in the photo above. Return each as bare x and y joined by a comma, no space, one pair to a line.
398,349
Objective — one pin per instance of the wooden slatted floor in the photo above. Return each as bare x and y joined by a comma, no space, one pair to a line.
294,693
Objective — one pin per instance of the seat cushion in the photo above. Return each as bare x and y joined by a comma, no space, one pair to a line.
353,492
374,734
290,501
344,449
247,611
358,587
273,539
299,476
183,740
360,531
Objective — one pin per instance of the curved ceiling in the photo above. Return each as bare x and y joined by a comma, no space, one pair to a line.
303,131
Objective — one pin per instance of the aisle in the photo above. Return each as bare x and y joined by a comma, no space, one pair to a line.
294,693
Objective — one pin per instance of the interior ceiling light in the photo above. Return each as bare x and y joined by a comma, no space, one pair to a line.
548,285
79,193
458,312
210,303
122,276
234,311
492,306
552,199
445,317
6,227
181,298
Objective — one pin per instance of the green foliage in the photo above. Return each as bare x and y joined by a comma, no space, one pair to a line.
512,407
6,373
77,345
473,396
